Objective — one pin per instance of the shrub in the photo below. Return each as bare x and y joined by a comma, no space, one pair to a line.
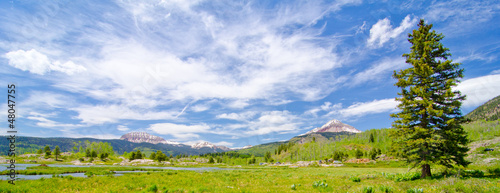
355,179
495,171
320,183
402,177
368,189
474,173
385,189
415,190
153,188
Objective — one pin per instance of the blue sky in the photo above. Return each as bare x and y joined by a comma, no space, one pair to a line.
233,73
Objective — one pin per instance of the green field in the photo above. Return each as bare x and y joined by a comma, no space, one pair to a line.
260,179
377,176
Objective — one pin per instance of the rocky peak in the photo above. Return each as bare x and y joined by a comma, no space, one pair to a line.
143,137
334,126
202,145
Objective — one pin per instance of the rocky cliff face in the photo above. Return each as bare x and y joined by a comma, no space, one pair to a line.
334,126
209,145
143,137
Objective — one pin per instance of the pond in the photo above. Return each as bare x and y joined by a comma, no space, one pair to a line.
81,175
117,173
24,166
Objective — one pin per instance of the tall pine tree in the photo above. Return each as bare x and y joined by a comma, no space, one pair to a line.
428,127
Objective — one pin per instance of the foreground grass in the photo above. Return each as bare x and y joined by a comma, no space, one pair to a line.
254,180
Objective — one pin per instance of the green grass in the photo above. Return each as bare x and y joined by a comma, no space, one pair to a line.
267,179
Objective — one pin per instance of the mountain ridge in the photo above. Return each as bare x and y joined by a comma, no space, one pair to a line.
488,111
334,126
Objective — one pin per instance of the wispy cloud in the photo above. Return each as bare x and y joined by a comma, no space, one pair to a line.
461,15
46,123
358,109
379,70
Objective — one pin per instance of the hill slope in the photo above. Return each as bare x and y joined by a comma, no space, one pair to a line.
489,111
32,144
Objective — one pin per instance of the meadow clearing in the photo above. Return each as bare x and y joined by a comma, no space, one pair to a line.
255,179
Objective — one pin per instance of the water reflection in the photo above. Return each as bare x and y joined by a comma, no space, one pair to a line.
117,173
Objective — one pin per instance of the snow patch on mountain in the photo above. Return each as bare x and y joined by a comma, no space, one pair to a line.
334,126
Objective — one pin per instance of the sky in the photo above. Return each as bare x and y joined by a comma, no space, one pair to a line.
232,73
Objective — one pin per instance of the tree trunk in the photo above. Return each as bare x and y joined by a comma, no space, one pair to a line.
426,171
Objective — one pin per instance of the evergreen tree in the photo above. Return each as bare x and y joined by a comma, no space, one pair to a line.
160,156
372,139
132,156
358,154
57,151
93,153
428,128
47,151
267,157
87,153
138,154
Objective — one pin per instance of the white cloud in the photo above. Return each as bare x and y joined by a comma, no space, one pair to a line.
200,107
480,89
113,113
180,131
382,31
273,121
38,63
204,55
375,106
244,116
122,128
495,71
224,143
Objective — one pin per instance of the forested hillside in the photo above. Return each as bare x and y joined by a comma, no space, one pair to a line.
32,144
489,111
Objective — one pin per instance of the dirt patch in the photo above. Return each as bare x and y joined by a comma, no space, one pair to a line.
364,160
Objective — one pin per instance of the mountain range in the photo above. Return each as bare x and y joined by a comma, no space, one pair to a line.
143,137
334,126
333,130
148,143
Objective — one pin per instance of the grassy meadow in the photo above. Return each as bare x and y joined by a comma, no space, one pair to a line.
482,175
268,179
